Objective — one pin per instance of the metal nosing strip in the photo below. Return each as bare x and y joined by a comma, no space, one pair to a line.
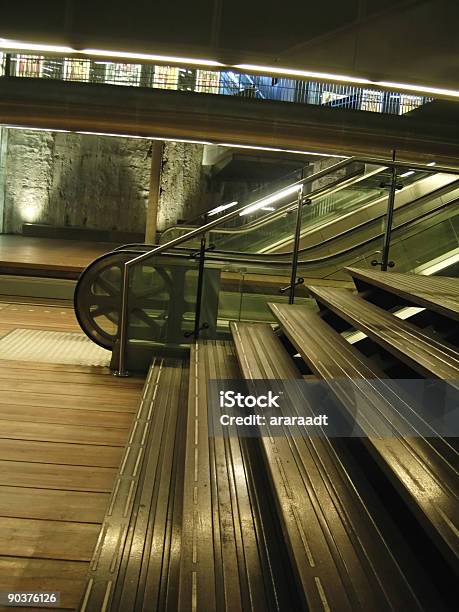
105,564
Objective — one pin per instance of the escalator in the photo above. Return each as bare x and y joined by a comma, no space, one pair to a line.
347,203
343,225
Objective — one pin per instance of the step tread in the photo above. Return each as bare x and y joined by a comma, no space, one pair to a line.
219,516
415,465
421,350
437,293
339,555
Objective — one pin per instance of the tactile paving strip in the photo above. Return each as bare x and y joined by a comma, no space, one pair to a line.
52,347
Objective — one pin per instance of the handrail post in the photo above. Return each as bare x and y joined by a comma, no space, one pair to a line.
199,290
7,71
389,216
296,246
123,324
202,259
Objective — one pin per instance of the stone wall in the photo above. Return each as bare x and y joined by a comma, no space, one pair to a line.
3,149
182,183
321,163
75,180
98,182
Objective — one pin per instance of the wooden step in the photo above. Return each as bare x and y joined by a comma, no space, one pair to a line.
421,469
437,293
224,556
419,349
138,553
340,559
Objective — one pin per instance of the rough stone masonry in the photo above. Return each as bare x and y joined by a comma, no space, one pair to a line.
98,182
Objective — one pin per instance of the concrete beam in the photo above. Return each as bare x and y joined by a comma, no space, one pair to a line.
224,119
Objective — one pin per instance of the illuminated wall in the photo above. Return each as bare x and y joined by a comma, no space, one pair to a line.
75,180
99,182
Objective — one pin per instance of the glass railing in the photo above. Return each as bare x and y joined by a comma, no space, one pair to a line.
335,174
242,290
169,295
272,232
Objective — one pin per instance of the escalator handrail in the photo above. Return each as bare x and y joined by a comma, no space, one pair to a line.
235,213
329,189
242,256
200,231
262,259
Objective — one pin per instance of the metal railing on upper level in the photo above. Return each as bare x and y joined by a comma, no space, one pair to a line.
297,188
223,82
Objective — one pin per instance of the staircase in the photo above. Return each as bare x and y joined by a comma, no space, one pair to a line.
228,522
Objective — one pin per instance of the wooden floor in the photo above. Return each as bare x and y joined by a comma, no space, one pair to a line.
25,254
62,433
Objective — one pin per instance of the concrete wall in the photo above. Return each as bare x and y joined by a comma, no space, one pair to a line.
74,179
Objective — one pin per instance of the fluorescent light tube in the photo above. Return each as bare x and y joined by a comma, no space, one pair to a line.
280,195
220,209
151,57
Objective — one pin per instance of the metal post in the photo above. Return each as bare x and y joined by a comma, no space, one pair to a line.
296,246
202,259
389,216
123,324
8,64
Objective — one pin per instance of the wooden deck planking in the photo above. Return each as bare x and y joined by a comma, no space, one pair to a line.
47,539
55,373
66,416
66,401
24,574
54,476
74,390
53,505
61,453
50,253
51,432
63,428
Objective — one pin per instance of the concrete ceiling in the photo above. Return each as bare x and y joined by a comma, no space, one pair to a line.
412,41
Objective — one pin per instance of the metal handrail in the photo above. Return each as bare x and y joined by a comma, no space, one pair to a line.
340,184
214,80
199,231
276,260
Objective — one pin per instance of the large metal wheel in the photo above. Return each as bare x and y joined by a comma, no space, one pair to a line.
97,297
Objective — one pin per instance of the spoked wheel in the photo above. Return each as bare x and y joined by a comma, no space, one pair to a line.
98,297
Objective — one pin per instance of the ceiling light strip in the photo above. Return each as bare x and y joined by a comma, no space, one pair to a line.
255,68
